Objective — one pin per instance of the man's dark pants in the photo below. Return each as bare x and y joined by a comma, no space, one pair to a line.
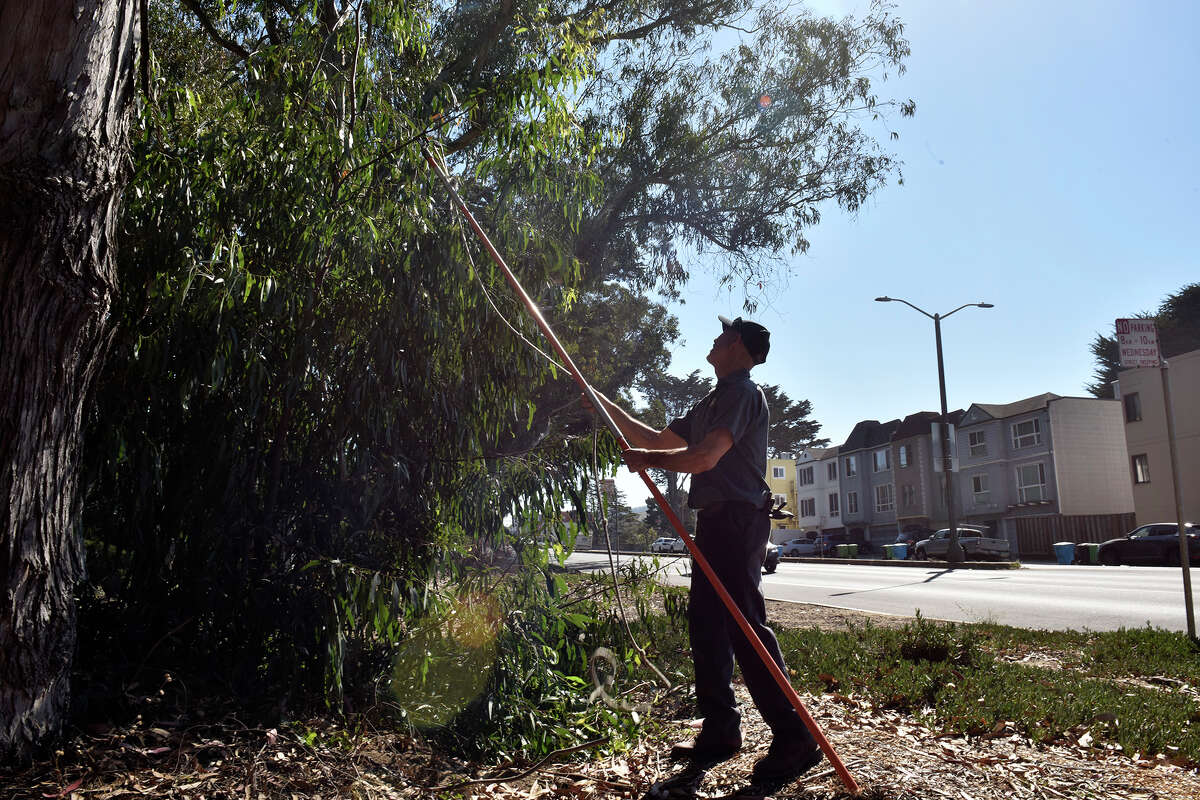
733,538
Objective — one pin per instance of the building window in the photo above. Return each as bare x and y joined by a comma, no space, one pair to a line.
833,504
1026,434
884,499
804,477
808,507
904,456
882,459
979,489
977,441
908,496
851,502
831,470
1141,466
851,466
778,472
1031,483
1133,407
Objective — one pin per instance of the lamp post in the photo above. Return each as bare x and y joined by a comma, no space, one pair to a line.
954,553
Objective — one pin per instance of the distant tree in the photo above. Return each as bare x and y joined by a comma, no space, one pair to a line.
658,522
1178,323
669,397
791,430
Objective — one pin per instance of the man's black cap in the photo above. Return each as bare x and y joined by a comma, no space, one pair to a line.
755,338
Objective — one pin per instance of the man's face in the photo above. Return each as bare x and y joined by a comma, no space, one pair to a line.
722,344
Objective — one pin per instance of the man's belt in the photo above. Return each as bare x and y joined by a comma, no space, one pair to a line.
744,505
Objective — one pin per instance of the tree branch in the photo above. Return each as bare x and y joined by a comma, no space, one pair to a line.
206,23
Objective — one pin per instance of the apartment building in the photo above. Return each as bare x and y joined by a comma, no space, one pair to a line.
1044,469
920,491
867,491
1144,414
817,490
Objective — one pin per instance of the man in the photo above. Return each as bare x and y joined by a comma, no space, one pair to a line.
722,442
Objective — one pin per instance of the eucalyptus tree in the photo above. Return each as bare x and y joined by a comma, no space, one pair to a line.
726,157
308,399
67,76
308,384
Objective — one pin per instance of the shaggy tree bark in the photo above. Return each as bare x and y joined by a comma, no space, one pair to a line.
67,83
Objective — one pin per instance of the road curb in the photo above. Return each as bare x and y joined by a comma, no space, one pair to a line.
870,562
895,562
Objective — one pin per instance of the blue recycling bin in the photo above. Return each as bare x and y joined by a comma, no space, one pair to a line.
900,551
1064,552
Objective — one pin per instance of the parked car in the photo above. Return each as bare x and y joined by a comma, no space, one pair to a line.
1156,543
802,547
976,545
771,557
667,544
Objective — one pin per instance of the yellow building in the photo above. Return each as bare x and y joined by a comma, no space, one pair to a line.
781,477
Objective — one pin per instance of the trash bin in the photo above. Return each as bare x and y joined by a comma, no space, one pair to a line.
1064,552
900,551
853,550
1093,552
889,551
843,551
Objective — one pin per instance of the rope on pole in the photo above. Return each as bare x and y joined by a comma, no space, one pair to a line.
780,679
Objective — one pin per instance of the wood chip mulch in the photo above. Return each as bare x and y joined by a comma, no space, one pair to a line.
891,755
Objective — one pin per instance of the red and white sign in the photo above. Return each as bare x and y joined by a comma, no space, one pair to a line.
1137,340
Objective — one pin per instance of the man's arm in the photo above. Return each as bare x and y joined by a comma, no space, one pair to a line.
638,433
699,457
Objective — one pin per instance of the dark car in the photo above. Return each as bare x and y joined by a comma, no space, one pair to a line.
1156,543
771,557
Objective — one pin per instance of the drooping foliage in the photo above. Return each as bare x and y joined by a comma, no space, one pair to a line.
306,369
321,403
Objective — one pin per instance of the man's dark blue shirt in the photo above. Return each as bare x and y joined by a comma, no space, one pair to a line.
739,406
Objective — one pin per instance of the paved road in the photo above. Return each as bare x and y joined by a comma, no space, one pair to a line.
1037,596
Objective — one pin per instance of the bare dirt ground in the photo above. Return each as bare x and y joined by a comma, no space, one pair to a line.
802,615
891,755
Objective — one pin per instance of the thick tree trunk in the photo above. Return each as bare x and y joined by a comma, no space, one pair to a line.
66,98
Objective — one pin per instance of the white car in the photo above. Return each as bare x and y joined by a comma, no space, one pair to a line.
666,544
801,547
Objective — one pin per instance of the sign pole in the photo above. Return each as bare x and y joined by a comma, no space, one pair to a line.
1137,343
1184,555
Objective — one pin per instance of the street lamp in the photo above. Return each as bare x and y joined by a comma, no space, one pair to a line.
954,553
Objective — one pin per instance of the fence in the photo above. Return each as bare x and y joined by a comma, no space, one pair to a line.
1036,535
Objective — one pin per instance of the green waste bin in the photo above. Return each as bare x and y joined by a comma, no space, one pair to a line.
888,553
853,550
843,551
1093,552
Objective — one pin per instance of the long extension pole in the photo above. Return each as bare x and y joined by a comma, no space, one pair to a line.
701,561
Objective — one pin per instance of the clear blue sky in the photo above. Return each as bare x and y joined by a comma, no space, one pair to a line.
1052,168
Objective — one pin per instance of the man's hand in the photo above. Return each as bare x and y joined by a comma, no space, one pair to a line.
637,459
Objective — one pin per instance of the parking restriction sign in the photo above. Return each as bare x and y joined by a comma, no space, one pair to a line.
1137,341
